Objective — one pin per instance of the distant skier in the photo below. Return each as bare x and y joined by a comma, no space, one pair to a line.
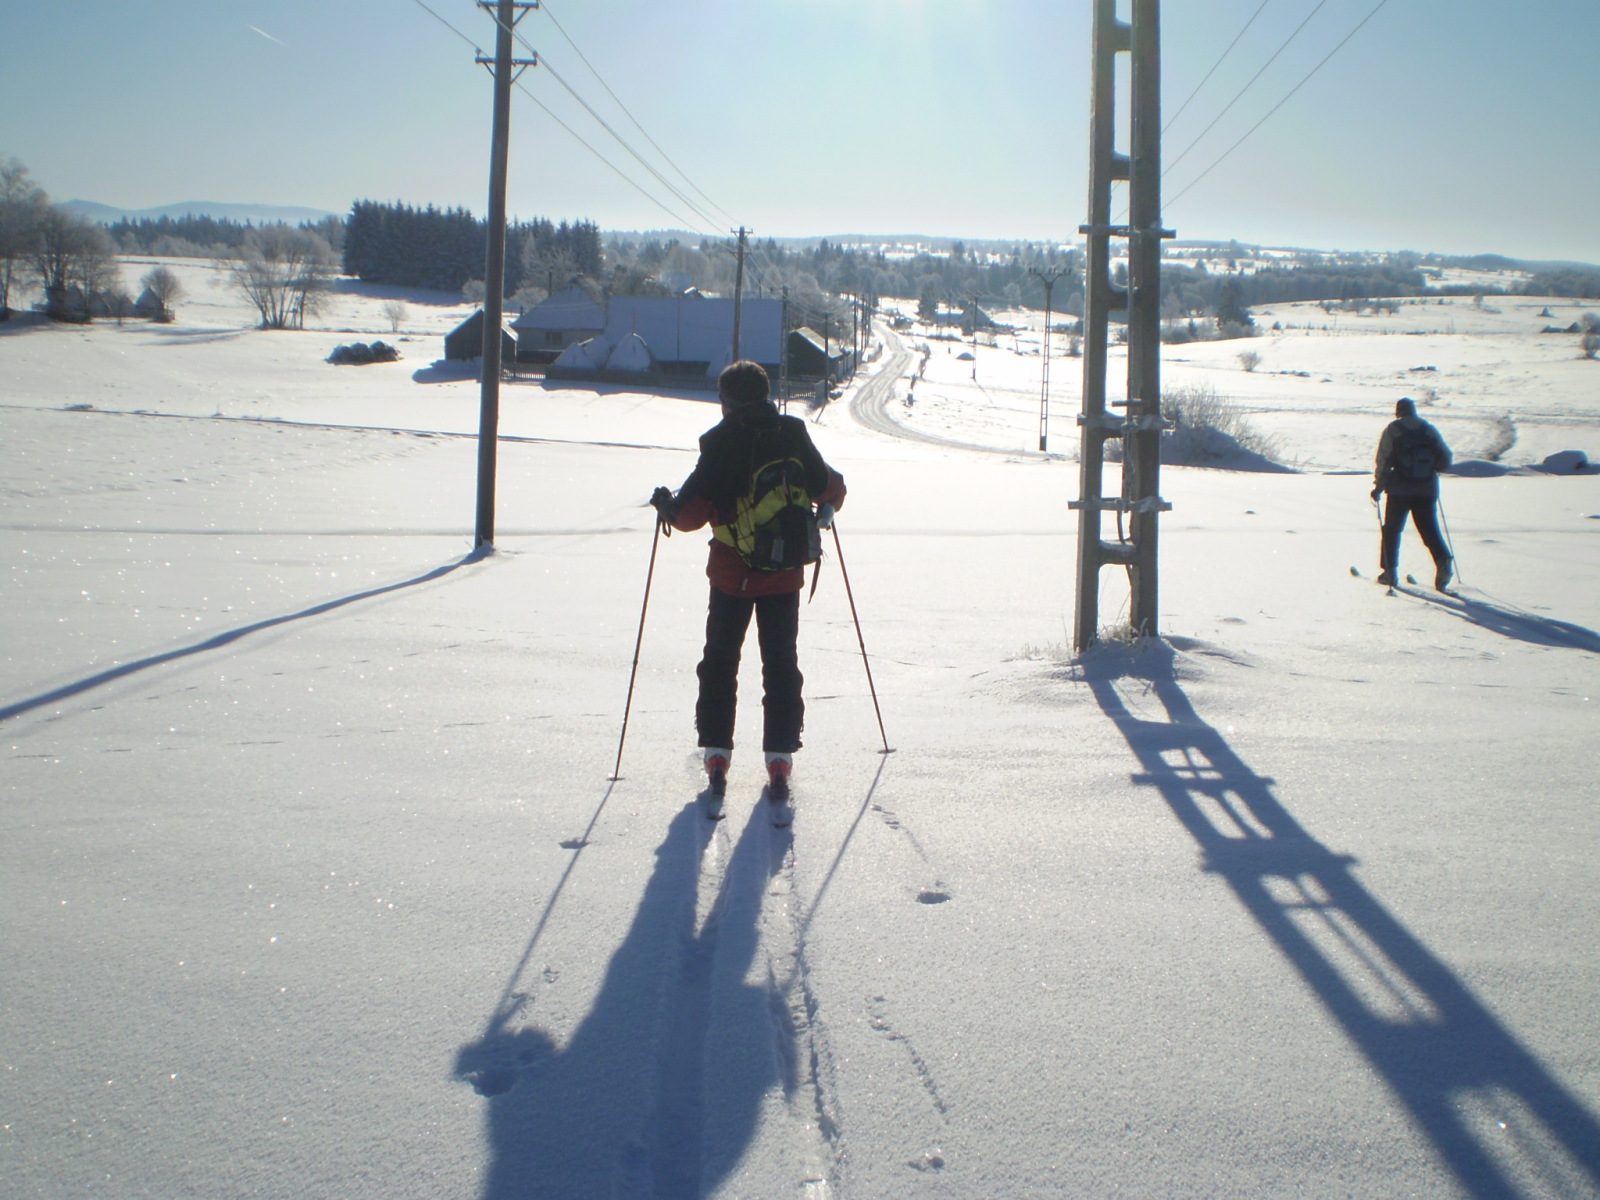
756,481
1410,456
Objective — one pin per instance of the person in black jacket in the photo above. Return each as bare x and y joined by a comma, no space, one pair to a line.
1410,456
750,434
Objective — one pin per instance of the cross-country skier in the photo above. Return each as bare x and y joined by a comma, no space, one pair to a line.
721,490
1410,456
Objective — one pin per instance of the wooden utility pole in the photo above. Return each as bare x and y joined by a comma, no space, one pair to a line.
783,352
738,294
506,70
1140,427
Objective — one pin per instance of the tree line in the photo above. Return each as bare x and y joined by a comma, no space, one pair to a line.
444,248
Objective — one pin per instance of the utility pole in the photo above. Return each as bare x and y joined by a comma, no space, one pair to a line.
506,69
783,351
855,334
1140,428
1048,278
738,293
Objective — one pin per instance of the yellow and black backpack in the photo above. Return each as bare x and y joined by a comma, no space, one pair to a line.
774,527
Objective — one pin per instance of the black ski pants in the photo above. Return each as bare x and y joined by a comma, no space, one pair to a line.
777,630
1423,513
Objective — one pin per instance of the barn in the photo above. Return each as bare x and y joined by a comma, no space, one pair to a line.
465,341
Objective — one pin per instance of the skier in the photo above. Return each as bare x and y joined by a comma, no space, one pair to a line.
1410,456
722,490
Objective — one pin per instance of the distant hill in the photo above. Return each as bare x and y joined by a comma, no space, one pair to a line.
256,214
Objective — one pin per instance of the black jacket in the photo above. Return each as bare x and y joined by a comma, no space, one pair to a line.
1389,476
730,451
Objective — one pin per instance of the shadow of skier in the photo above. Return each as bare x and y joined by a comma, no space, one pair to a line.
1514,623
660,1089
1498,1120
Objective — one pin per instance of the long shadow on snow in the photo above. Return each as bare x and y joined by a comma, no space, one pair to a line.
1498,1120
1514,623
218,641
659,1091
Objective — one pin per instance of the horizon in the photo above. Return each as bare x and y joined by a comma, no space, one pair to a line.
213,208
1374,127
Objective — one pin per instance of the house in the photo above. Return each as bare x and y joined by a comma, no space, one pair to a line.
150,308
574,314
465,341
813,357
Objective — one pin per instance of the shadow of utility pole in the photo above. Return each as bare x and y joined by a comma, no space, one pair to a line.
218,641
1499,1121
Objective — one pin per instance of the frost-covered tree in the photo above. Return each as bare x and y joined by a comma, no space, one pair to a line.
164,287
284,273
22,207
74,261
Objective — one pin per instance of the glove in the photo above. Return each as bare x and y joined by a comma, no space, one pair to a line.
824,516
666,507
1376,492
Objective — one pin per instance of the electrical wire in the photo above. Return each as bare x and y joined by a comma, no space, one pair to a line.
1215,65
545,9
1229,106
1281,103
604,124
619,171
572,132
447,25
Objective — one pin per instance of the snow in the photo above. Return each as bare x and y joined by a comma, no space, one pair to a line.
316,885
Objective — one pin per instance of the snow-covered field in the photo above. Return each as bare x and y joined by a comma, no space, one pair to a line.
314,883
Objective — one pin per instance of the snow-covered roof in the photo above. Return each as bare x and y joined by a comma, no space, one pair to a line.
698,328
570,308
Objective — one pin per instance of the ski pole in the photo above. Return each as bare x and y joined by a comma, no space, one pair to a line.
655,541
1450,542
839,550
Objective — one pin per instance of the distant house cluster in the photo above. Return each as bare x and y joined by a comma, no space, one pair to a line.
685,339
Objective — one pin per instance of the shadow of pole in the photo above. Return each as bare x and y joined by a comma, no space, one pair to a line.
1498,1120
660,1089
226,638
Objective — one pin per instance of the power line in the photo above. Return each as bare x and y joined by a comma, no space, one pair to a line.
545,8
1282,102
688,224
1228,107
620,140
1215,65
574,134
604,124
447,25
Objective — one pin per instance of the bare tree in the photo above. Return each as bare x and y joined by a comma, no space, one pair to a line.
22,207
164,288
284,272
395,311
74,261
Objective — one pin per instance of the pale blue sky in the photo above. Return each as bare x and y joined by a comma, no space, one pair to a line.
1461,126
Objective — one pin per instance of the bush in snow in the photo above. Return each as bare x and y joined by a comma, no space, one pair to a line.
1208,430
359,354
1249,360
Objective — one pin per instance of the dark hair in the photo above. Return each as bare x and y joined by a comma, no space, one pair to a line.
1405,407
743,382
